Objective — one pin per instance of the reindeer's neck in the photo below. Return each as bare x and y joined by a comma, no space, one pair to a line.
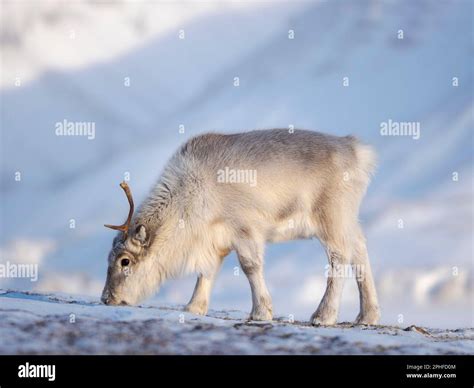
177,243
153,209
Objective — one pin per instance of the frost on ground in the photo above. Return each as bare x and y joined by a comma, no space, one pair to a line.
32,323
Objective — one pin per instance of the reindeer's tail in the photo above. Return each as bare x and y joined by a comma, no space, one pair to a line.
366,160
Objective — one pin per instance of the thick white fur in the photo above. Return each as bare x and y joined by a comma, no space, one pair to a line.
308,184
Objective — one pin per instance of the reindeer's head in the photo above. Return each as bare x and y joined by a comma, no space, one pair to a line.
130,274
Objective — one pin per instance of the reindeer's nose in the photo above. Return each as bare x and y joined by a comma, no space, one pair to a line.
105,298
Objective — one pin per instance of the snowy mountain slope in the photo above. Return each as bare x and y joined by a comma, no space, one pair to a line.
282,82
57,28
66,324
163,74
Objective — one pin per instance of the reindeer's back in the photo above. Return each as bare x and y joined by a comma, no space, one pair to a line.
296,175
300,150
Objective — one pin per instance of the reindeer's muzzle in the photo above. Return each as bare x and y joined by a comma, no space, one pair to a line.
108,300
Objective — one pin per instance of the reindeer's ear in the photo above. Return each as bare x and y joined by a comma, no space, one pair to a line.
141,235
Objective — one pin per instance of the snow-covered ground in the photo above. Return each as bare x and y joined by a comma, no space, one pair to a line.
32,323
124,67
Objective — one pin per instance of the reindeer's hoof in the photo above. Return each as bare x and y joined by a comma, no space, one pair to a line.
196,308
261,314
371,317
321,319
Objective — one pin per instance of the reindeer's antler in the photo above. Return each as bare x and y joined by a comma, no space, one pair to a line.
125,226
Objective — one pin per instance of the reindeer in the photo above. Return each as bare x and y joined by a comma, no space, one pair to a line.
308,184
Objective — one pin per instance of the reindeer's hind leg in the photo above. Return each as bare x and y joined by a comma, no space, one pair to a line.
335,217
369,309
328,309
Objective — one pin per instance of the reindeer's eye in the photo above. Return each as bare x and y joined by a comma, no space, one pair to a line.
125,262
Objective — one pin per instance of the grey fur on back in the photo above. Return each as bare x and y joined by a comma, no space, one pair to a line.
302,155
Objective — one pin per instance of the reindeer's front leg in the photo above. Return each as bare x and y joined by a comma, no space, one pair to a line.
199,302
251,260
